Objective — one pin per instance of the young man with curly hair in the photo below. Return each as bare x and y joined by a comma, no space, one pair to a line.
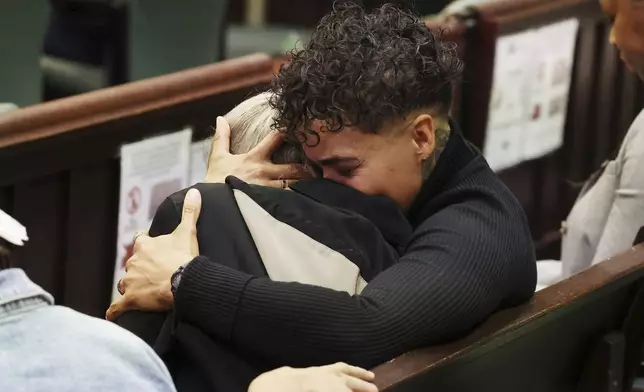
369,99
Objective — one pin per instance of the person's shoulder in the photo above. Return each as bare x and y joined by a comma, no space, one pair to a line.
634,139
91,327
639,120
479,207
107,339
206,190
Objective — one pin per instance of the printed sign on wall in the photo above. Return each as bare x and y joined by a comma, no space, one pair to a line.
151,170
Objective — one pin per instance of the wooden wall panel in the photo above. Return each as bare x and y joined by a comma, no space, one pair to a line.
91,237
6,199
606,99
574,159
41,205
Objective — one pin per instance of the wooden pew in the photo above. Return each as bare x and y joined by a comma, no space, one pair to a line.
604,100
59,169
583,334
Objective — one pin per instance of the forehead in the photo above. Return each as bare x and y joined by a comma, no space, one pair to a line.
349,141
622,6
609,6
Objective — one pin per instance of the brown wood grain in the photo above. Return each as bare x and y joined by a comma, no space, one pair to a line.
67,114
620,270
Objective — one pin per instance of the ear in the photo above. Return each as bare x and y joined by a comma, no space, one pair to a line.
424,135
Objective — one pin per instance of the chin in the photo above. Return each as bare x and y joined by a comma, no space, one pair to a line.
634,62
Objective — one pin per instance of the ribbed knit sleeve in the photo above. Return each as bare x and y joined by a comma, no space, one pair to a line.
463,263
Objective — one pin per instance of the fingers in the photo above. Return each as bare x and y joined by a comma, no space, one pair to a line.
267,146
116,309
286,171
137,235
221,141
353,371
122,284
283,184
139,241
358,385
190,213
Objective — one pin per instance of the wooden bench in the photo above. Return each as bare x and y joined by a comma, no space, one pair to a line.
583,334
59,167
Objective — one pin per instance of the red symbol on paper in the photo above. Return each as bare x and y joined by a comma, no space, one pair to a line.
133,200
536,112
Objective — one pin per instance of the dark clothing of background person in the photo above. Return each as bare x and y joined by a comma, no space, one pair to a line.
367,232
81,31
471,255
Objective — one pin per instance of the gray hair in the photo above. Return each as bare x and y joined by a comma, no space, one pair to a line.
250,122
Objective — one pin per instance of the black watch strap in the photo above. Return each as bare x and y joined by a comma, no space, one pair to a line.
176,279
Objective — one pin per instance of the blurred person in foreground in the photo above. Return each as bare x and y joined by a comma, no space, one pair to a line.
369,100
610,208
44,347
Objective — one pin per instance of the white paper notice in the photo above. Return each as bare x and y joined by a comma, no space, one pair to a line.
199,160
550,88
151,170
507,111
530,89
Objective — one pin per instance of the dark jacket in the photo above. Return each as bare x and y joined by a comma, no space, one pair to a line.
321,233
471,255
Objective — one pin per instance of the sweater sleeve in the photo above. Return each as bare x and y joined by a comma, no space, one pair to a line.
451,278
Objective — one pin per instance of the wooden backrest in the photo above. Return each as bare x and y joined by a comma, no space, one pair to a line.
59,167
604,100
582,334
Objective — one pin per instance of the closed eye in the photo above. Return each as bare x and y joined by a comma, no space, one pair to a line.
347,173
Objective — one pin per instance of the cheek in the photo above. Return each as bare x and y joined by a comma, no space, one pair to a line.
628,35
365,182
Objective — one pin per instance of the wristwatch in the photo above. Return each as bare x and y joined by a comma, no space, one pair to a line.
176,279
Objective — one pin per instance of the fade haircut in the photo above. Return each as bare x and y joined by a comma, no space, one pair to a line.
364,70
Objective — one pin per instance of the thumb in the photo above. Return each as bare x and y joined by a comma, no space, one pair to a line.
116,309
190,214
221,142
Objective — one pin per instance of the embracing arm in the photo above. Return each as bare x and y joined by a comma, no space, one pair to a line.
146,325
440,289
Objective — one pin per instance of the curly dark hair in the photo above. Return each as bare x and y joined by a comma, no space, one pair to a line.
364,69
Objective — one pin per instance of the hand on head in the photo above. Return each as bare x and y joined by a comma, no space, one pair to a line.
338,377
255,166
146,285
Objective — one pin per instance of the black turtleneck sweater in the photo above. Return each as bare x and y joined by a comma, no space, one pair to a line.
471,254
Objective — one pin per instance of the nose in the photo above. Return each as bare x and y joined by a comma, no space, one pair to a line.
611,37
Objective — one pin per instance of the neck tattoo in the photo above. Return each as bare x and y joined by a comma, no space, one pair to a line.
442,136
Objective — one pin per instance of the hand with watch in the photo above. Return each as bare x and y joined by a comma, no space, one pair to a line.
154,271
176,279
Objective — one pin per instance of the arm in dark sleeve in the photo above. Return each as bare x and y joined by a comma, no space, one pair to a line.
450,280
147,325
